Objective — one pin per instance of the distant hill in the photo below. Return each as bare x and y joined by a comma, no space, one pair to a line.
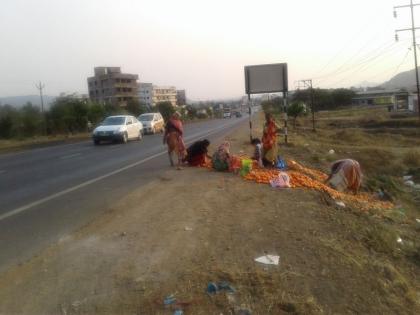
19,101
406,79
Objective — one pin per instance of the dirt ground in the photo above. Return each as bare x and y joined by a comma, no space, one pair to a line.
191,227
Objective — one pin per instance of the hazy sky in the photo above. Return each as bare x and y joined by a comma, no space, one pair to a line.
199,45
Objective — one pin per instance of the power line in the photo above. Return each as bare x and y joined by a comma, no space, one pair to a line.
367,56
363,64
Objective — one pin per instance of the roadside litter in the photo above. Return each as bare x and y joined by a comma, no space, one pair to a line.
170,299
187,228
340,204
268,260
281,181
331,151
178,312
213,287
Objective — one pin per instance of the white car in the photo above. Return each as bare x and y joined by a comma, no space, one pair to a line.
152,122
118,128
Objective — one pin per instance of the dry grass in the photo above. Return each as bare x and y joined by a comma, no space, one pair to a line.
412,158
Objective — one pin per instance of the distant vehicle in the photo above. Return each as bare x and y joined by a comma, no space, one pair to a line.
118,128
227,115
152,122
238,114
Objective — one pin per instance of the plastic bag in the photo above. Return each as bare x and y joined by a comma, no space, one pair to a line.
281,164
281,181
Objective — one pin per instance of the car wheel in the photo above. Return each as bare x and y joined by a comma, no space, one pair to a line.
124,138
96,142
140,136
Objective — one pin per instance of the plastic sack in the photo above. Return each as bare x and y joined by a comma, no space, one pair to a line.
281,181
246,167
281,164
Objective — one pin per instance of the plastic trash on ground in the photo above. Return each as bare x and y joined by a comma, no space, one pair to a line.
281,181
340,204
409,183
268,260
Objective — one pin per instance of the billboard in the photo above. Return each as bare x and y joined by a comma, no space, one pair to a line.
267,78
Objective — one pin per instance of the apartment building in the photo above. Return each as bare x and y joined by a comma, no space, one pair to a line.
110,85
146,94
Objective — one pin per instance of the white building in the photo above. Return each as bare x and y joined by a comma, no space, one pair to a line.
150,94
146,94
164,94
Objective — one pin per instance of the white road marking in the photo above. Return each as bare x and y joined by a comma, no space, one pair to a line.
96,179
70,156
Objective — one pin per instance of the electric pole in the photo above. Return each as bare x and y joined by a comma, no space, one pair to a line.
413,31
40,86
308,85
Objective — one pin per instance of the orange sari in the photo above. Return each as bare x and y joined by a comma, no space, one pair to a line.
269,141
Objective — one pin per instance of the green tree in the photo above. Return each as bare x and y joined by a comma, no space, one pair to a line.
192,112
68,114
295,110
166,109
135,108
96,113
7,117
32,122
209,111
342,97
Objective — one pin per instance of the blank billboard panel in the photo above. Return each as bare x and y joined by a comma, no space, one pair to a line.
268,78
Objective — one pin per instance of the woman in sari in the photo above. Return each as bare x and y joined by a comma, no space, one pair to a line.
269,141
173,137
221,158
197,153
345,175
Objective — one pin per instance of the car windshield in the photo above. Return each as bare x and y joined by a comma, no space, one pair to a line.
112,121
147,117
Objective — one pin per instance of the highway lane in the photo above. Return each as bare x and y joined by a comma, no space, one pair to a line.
47,193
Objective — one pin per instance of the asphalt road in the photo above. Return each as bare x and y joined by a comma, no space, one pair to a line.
49,192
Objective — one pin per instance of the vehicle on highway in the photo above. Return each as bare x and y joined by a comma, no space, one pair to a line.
152,122
238,114
118,128
227,114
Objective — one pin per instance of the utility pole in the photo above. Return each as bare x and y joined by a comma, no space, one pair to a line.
40,86
413,31
308,84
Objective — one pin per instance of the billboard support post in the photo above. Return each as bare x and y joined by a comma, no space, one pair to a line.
285,115
250,115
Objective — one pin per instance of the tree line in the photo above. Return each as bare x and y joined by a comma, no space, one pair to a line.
69,115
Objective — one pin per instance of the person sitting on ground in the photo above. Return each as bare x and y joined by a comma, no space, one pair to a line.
258,151
345,175
197,153
221,158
